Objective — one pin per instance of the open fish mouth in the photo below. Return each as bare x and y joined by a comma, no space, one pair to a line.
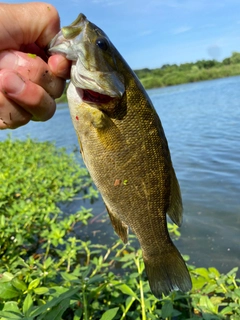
91,96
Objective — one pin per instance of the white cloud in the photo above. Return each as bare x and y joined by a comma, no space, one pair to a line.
181,29
207,26
145,33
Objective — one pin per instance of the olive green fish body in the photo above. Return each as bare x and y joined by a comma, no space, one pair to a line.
125,150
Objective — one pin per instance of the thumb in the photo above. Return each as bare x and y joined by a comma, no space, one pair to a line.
28,23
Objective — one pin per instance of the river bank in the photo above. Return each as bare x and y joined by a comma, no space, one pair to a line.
158,78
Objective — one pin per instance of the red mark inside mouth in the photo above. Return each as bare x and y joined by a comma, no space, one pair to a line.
92,96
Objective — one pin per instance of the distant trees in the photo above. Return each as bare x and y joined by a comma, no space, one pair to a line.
235,58
189,72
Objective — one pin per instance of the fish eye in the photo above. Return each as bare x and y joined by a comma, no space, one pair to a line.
102,43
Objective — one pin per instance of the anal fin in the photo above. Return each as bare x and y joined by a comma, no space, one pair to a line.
120,227
175,208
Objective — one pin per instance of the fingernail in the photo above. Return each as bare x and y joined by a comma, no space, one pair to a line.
11,83
12,60
8,60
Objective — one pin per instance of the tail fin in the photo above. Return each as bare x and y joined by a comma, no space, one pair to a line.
167,272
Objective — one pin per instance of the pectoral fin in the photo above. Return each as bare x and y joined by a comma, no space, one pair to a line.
120,227
175,208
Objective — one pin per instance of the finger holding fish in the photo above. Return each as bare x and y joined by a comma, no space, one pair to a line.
28,87
21,100
33,68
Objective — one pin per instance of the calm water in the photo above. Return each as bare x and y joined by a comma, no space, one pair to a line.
202,125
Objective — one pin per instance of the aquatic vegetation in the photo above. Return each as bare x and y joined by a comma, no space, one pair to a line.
48,270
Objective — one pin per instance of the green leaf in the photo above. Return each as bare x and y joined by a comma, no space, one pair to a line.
96,279
207,304
40,310
151,316
19,284
109,314
198,283
33,284
129,301
27,304
2,221
202,272
68,276
226,310
41,290
47,263
237,292
6,277
233,271
167,309
6,315
127,290
7,291
57,311
215,272
96,291
86,273
11,306
126,257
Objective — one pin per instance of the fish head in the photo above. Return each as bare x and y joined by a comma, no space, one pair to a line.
95,71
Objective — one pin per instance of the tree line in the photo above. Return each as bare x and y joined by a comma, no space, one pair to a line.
189,72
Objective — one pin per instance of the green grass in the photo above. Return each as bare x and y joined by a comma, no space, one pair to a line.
48,270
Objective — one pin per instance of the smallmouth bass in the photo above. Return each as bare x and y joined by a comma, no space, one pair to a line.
125,150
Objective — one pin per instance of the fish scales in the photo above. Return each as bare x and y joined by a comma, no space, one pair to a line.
125,150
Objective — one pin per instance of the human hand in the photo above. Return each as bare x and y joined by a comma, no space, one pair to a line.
29,83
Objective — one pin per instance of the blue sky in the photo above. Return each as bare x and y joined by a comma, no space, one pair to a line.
151,33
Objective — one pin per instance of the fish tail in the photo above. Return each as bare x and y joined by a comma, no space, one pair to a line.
167,272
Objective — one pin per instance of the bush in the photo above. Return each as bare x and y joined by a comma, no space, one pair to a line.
47,271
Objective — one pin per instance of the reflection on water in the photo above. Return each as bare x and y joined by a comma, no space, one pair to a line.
201,122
